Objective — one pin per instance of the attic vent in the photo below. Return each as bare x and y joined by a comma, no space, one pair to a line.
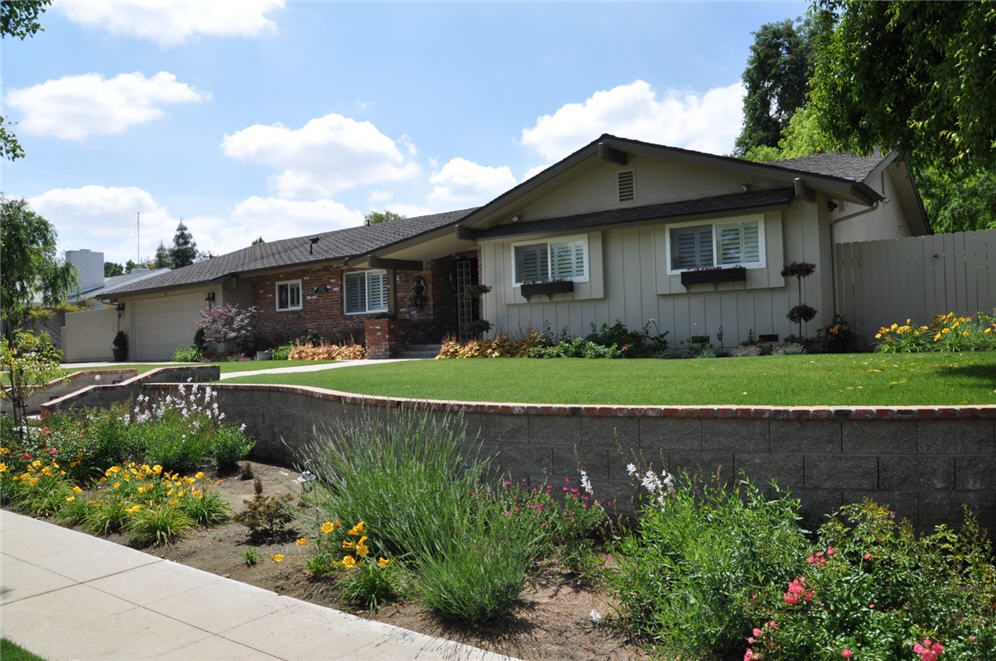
627,185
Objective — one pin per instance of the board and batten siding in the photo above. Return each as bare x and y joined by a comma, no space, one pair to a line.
631,272
885,282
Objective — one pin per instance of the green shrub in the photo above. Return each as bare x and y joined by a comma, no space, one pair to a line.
228,446
157,524
87,440
633,344
577,347
872,586
687,574
408,477
281,352
208,510
186,355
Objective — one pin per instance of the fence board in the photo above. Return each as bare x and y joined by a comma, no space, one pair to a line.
881,282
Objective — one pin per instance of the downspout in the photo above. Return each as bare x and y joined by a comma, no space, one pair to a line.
833,249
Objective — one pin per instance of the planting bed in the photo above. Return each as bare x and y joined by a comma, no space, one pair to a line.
553,620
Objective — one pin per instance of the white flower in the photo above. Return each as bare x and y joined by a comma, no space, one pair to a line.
585,482
631,469
595,616
96,377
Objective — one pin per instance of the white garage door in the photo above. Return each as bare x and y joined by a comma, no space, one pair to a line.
162,325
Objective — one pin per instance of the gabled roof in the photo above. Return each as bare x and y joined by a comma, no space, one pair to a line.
833,173
703,205
331,246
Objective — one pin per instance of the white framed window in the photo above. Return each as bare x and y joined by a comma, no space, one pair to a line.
723,243
543,261
289,295
365,291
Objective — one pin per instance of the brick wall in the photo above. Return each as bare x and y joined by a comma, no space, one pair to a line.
923,462
324,313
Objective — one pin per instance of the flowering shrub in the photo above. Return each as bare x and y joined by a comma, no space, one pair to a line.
947,332
745,350
365,577
500,347
327,352
150,504
687,572
872,589
839,337
788,349
230,327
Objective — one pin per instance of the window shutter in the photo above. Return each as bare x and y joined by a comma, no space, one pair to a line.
627,185
282,296
356,293
377,287
531,263
751,243
567,260
691,247
294,295
728,238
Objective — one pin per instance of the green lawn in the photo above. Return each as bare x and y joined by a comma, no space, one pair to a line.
844,379
10,651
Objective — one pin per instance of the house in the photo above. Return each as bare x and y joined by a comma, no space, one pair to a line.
607,233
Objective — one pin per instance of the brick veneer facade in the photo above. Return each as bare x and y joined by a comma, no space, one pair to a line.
323,312
924,462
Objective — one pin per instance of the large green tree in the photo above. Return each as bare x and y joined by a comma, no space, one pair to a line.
112,269
30,272
162,260
777,80
919,77
184,250
18,18
375,217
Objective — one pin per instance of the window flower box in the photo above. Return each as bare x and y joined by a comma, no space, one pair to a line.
548,288
703,276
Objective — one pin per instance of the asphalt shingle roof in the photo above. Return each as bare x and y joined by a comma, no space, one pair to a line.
729,202
842,166
335,245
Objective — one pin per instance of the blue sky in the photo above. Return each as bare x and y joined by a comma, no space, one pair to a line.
277,119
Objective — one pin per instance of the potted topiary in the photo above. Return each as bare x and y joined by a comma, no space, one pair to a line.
120,347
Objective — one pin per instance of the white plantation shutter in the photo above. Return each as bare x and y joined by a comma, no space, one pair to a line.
531,263
738,243
691,247
356,292
376,291
567,260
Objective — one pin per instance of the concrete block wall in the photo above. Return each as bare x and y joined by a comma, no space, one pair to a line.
71,383
108,393
923,462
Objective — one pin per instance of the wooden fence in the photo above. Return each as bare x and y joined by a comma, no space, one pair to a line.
881,282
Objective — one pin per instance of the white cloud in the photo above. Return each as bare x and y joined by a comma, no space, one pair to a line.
464,182
535,170
706,122
380,196
412,210
102,218
327,155
74,107
170,23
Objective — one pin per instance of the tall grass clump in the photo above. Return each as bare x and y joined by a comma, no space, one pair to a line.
409,475
697,557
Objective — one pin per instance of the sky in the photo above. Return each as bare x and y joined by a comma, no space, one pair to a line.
275,118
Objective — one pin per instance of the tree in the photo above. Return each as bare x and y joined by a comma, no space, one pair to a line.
912,76
163,259
802,137
375,217
18,18
258,242
31,273
957,202
184,250
777,80
112,269
30,361
130,266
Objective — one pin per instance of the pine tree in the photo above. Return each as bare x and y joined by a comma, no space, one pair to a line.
184,250
163,259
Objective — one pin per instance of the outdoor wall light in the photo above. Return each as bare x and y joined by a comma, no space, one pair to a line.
210,297
322,289
120,306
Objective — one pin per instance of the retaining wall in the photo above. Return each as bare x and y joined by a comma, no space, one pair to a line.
68,384
924,462
107,394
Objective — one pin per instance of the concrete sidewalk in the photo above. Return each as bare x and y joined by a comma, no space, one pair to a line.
68,595
315,368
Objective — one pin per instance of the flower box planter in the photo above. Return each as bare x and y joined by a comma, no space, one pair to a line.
548,288
735,274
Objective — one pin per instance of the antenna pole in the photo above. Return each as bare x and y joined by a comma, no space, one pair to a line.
138,236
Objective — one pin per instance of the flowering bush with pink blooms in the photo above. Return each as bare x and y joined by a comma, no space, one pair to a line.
873,589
